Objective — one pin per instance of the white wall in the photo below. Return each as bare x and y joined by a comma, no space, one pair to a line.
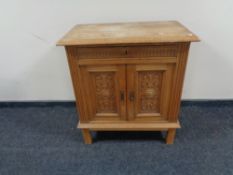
33,68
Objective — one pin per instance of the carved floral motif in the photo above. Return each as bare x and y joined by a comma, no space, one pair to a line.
149,91
105,92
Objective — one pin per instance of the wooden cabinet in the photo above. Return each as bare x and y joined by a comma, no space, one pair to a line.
128,76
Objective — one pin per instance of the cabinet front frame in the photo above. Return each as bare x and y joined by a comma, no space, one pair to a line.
179,60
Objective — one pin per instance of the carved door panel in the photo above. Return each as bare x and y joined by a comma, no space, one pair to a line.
105,88
148,91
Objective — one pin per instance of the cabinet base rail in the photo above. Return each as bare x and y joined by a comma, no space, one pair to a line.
170,127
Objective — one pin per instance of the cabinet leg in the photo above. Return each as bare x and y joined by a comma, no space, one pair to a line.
87,136
170,136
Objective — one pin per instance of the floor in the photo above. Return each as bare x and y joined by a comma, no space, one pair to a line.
42,139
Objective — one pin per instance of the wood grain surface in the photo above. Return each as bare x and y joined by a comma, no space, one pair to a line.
124,33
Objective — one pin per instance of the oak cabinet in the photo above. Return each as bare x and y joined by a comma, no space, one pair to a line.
128,76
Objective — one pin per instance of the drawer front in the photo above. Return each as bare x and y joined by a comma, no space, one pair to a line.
127,51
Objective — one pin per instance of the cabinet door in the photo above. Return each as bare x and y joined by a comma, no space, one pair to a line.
104,88
148,91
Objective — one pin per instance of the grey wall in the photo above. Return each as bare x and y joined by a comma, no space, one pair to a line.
33,68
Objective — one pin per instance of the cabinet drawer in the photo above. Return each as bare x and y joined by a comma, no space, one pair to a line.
127,51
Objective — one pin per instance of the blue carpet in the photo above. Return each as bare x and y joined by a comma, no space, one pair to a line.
42,139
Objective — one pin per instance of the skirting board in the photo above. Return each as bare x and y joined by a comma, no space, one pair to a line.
204,103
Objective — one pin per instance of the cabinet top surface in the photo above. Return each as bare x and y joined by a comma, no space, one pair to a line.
128,33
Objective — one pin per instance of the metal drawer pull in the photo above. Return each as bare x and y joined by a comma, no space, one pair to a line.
131,96
122,95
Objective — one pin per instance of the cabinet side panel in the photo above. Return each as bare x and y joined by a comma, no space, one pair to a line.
178,81
77,84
